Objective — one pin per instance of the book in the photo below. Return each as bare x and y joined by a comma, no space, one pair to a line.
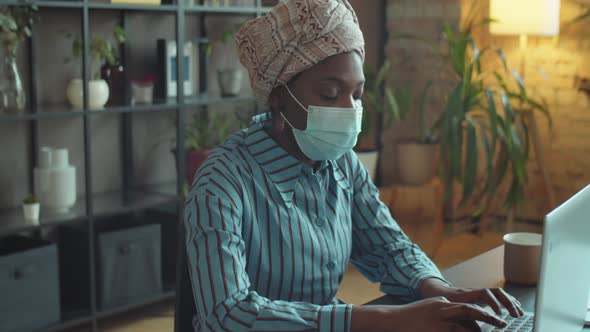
167,82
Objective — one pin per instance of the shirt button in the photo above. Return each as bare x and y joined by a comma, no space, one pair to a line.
331,266
320,222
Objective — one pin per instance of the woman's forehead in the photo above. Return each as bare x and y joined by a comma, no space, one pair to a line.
341,68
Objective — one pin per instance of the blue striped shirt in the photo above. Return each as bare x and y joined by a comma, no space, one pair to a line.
269,238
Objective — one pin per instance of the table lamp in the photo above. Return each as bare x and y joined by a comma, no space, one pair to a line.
525,18
528,18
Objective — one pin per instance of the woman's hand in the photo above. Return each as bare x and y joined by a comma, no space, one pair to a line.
434,314
496,298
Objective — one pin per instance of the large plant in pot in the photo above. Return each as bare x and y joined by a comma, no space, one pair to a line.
102,52
16,24
483,129
417,156
379,98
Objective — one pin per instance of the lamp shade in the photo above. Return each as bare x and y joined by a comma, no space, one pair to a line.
525,17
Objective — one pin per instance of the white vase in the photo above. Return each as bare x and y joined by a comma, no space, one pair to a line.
55,183
418,162
230,82
98,94
31,213
369,160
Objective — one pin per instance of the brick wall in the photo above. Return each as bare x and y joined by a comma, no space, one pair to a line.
551,69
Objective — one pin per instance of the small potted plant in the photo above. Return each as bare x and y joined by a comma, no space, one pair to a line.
205,132
16,24
31,208
229,75
378,98
101,51
418,156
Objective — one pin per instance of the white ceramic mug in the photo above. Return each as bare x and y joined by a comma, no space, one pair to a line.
522,257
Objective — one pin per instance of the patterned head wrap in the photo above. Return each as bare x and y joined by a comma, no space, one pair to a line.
294,36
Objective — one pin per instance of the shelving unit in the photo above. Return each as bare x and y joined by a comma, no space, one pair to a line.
92,207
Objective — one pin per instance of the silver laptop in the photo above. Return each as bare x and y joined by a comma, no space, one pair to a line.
564,282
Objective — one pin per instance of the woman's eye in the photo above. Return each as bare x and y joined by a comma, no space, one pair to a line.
329,98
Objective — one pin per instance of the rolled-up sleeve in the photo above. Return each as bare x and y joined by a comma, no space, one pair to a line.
221,286
381,250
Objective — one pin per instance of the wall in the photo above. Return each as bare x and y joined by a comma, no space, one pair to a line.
550,73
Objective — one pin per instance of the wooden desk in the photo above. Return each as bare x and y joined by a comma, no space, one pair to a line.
483,271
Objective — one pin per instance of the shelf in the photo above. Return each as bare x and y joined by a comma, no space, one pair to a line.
124,6
44,113
114,203
105,204
12,219
223,10
46,3
206,100
167,106
67,323
123,309
62,111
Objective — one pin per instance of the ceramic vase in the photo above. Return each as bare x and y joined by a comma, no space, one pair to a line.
55,180
98,94
230,82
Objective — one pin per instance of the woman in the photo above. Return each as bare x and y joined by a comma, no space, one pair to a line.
278,211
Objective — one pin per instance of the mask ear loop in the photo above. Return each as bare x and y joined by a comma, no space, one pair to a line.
288,122
294,98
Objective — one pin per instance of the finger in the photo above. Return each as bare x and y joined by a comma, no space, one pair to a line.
463,312
507,301
492,301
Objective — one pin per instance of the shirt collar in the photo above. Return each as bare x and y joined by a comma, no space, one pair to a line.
282,168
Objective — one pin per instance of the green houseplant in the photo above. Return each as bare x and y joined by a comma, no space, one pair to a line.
101,51
229,75
417,156
480,123
31,209
16,24
204,132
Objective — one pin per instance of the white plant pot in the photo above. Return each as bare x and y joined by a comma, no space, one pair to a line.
98,91
230,82
31,213
369,160
418,163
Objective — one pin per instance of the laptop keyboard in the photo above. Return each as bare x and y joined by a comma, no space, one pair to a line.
520,324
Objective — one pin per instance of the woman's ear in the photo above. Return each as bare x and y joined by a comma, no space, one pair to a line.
274,101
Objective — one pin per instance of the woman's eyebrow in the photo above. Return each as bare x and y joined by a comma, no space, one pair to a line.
340,80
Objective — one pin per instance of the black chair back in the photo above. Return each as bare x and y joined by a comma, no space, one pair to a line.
185,303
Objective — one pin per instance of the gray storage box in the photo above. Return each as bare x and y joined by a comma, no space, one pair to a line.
29,284
130,266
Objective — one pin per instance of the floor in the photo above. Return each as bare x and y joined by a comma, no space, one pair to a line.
459,244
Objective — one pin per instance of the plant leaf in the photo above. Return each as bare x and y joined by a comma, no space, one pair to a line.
421,110
471,160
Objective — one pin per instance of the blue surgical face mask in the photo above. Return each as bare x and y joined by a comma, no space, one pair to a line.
331,131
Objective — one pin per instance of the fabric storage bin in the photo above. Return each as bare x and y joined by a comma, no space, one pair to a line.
29,284
129,265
